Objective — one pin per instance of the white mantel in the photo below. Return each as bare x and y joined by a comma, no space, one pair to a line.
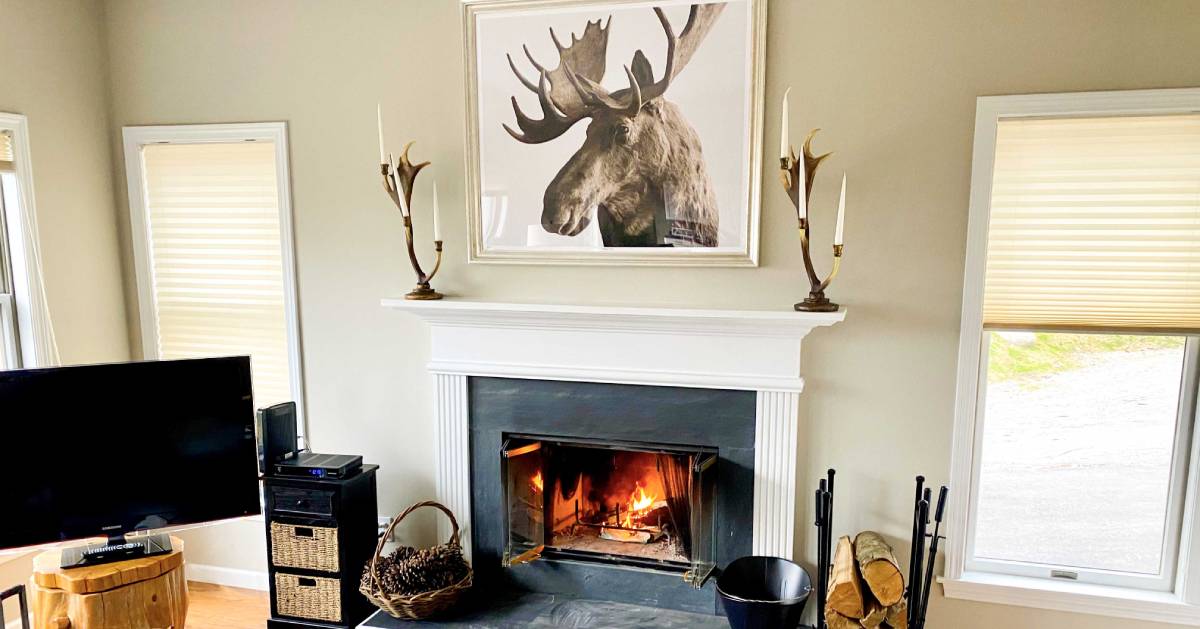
757,350
726,349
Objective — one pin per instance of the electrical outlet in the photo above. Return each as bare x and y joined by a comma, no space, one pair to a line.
384,523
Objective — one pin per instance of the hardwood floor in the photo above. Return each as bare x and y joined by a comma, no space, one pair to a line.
220,607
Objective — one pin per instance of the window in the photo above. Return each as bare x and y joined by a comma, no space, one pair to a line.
8,317
1079,353
26,335
213,245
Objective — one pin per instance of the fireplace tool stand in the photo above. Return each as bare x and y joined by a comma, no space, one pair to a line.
920,570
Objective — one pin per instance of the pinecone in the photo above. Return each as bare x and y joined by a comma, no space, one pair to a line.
407,571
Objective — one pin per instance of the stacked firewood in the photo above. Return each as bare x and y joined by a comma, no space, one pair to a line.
866,586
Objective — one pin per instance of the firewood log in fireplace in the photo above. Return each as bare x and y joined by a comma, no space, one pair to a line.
879,568
845,595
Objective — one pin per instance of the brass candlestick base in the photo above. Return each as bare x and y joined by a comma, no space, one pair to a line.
424,293
816,302
799,181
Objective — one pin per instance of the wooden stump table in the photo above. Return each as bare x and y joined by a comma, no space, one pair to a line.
145,593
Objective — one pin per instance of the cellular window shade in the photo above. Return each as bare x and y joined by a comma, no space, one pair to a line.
216,257
1095,225
6,151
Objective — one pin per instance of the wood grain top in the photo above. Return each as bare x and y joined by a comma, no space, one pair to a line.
100,578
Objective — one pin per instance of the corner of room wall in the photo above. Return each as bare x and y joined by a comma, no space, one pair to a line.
65,96
120,194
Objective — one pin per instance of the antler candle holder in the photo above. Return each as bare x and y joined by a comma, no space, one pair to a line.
797,178
398,180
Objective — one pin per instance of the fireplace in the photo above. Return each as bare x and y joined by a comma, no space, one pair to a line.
641,505
616,386
605,491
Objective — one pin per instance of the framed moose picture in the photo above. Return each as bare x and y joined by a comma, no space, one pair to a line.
614,131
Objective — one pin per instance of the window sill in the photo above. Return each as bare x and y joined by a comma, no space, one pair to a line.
1113,602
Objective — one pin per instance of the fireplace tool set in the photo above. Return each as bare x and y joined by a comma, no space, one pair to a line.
920,577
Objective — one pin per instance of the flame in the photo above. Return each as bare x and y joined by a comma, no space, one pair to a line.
639,505
537,481
639,500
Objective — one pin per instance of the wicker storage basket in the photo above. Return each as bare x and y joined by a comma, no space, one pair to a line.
309,547
424,604
315,598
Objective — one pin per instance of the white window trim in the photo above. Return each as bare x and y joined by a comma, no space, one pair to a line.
34,331
276,132
8,332
1180,605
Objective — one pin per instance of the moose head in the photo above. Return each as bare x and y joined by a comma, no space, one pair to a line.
641,167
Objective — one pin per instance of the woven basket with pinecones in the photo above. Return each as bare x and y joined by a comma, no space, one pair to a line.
417,583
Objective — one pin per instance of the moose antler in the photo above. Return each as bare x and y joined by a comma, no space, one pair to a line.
561,100
572,91
679,49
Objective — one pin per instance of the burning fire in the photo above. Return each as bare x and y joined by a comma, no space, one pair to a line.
640,504
537,481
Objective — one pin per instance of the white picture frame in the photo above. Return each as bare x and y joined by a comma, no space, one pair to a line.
676,184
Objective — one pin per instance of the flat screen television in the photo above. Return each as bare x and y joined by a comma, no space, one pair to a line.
103,450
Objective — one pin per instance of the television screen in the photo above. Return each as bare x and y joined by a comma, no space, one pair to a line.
105,449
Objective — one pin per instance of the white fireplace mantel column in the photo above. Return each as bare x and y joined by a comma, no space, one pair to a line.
755,350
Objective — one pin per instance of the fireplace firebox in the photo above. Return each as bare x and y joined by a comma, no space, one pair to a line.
641,505
627,493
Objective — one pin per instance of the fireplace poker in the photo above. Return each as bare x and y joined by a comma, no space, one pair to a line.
822,550
922,527
933,549
820,515
829,518
912,554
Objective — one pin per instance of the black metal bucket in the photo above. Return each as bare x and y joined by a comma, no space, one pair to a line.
764,593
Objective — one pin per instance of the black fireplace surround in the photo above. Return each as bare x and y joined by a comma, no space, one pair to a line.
720,420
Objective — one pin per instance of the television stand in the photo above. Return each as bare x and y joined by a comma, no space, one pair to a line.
133,594
115,548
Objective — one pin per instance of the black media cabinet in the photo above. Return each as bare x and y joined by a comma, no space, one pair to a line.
320,535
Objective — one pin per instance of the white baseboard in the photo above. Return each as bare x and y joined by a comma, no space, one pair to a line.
232,577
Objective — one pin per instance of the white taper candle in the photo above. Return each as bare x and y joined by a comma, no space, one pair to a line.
841,219
437,226
785,144
379,123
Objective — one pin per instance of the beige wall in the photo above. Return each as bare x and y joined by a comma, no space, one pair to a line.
892,84
54,70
